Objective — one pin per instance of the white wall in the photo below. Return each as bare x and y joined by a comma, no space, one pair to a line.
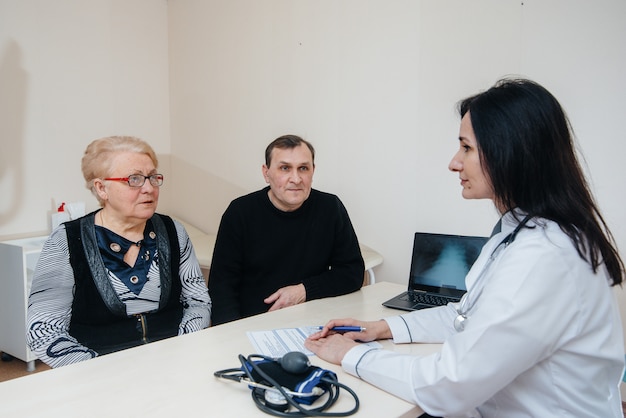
72,71
373,85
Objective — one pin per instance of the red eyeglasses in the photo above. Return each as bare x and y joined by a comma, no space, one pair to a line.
138,180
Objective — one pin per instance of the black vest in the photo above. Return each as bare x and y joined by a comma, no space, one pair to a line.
99,320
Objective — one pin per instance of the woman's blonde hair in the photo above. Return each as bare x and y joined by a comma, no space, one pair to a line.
97,160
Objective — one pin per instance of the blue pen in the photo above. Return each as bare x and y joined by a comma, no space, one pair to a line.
344,329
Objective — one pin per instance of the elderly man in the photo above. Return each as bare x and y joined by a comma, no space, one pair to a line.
284,244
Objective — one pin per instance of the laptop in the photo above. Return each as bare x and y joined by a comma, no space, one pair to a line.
439,265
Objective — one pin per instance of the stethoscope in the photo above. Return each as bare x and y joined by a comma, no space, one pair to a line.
467,301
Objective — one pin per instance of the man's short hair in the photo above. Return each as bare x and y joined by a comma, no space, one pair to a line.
287,142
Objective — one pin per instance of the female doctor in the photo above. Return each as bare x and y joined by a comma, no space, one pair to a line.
538,332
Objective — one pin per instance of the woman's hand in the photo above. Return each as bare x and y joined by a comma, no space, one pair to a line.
373,330
332,346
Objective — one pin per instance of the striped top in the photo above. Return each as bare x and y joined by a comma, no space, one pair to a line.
51,297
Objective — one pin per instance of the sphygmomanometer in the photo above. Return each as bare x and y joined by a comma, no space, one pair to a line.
289,386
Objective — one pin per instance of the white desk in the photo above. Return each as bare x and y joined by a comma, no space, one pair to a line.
203,245
174,377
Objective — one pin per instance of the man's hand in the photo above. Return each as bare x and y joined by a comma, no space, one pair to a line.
286,296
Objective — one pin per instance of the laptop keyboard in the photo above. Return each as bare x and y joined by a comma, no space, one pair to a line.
426,299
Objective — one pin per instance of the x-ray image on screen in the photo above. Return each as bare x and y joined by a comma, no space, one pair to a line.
443,261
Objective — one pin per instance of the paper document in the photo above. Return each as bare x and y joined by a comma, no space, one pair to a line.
278,342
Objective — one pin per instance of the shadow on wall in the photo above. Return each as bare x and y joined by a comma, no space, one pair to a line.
13,84
198,197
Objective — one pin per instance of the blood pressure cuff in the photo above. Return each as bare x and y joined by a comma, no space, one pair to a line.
296,382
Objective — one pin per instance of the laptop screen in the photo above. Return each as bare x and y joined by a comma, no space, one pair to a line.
440,262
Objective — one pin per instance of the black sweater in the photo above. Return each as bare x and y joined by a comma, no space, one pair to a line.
260,249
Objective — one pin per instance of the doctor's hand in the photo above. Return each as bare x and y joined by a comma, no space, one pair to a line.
332,348
374,330
286,296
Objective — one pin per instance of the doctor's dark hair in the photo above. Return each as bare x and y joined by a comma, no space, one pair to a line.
287,142
526,149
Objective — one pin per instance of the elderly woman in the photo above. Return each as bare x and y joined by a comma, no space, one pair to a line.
120,276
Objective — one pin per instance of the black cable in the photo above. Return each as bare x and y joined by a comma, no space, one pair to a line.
332,388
